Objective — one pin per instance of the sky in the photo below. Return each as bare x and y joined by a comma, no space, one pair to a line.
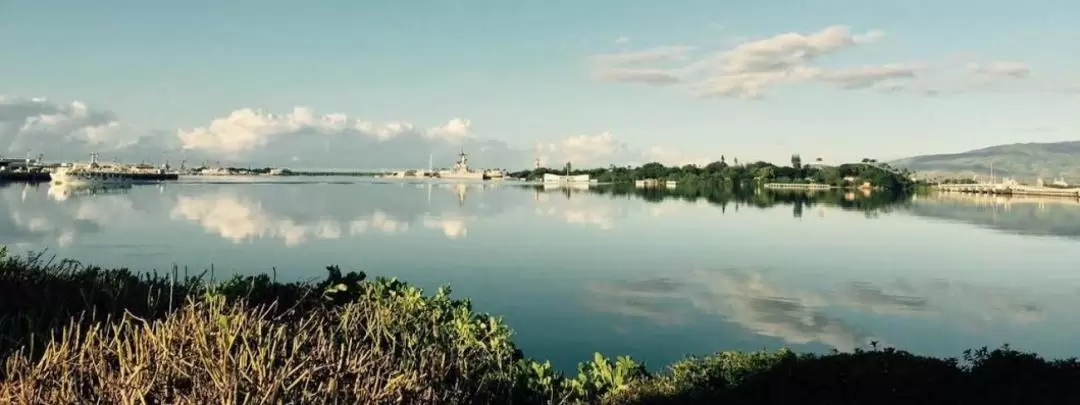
366,84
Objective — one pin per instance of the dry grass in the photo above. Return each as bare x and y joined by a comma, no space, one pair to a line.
111,336
92,336
218,353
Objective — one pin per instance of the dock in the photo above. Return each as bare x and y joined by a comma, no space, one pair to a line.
24,177
799,186
1009,189
43,177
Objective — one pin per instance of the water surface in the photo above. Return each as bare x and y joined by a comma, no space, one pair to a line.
657,275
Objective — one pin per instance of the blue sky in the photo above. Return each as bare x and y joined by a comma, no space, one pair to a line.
520,72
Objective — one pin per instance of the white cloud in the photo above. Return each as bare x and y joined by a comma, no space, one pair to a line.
454,130
747,69
869,76
40,126
625,66
750,68
656,77
300,138
661,53
247,129
582,150
1011,69
674,158
622,40
305,138
603,149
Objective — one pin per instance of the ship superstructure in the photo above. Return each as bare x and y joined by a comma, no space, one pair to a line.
461,170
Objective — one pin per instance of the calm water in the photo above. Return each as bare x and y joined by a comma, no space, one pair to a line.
655,276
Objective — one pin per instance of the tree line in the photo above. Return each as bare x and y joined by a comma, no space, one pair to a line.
740,174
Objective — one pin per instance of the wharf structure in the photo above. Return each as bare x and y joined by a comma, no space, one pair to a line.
37,171
1010,188
799,186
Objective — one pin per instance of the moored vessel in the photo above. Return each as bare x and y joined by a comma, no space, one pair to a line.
462,171
94,174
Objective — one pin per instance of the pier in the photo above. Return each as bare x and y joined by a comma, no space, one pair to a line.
799,186
1009,189
43,177
24,177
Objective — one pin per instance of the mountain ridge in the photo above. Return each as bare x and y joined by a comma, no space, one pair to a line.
1024,161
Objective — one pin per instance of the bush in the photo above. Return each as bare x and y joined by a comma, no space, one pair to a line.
112,336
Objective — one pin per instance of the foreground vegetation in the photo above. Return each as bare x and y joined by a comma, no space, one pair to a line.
76,334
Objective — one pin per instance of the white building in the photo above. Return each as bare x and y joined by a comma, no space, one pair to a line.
554,178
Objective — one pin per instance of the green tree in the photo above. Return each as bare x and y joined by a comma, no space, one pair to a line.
716,167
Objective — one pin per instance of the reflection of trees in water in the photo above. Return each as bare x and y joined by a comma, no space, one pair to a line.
871,204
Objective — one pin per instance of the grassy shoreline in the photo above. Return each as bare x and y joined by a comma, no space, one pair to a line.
73,334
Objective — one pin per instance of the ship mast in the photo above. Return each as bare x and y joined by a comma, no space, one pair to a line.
463,160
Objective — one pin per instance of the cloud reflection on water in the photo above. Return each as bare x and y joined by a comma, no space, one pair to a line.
759,303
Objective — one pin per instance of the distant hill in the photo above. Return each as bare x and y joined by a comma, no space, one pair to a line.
1022,161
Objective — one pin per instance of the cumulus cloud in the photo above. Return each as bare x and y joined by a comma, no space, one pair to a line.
247,129
454,130
307,138
671,157
580,150
39,126
603,149
300,138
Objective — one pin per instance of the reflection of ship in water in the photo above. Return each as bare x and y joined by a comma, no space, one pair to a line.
461,190
62,192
